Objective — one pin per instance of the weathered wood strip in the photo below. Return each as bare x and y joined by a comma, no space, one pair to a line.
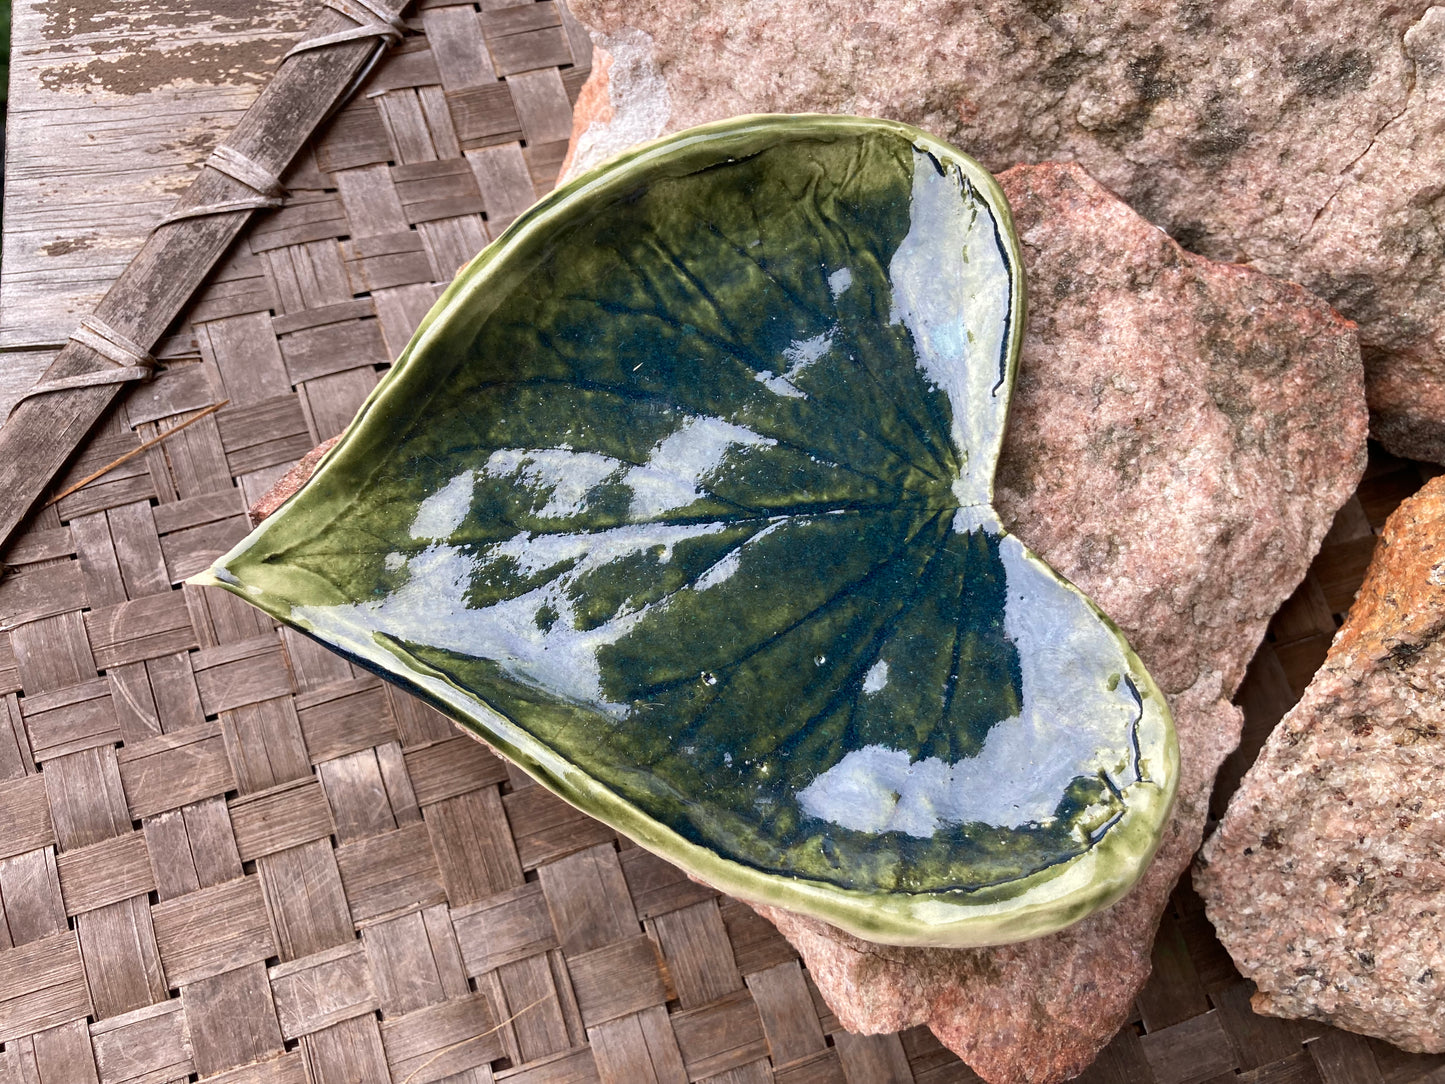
1341,1057
589,901
345,1053
504,927
619,979
30,889
40,592
41,984
147,1044
826,1068
440,1041
140,629
657,886
728,1033
404,961
58,1053
122,959
757,944
172,770
400,793
322,989
44,432
9,668
306,900
573,1067
344,718
25,815
357,796
786,1010
548,828
1192,1050
238,674
232,1019
453,767
534,1007
263,739
285,1069
106,872
474,850
43,545
213,930
280,818
87,799
392,872
640,1048
699,954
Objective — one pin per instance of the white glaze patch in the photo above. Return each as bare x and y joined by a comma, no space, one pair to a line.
720,572
443,512
957,313
680,464
432,606
800,354
564,475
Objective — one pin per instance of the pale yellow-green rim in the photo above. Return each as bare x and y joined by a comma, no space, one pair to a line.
1027,907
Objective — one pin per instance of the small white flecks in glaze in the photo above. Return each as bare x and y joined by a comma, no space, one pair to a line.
876,677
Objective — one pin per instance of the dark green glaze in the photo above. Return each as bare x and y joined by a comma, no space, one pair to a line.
681,497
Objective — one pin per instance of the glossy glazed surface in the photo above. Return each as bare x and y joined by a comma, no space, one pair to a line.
681,498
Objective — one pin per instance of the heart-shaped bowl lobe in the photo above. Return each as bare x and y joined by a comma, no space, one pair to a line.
680,498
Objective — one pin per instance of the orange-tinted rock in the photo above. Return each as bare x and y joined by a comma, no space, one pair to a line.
1326,876
290,482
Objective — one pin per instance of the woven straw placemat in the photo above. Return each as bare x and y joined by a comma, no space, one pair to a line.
228,855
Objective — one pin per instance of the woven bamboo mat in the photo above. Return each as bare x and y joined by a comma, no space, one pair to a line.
227,855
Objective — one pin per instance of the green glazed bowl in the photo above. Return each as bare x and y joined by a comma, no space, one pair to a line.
680,498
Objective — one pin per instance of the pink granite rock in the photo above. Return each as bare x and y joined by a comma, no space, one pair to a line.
1301,139
1325,878
1182,433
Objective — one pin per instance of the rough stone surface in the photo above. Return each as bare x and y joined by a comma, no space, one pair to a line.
1325,878
1300,138
290,482
1182,433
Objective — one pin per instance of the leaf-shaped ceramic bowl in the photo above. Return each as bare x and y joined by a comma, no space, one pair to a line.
680,498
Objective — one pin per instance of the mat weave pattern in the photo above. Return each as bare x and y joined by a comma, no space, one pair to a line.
227,855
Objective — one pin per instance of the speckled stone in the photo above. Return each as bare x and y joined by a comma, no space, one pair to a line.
1182,433
1325,878
1301,139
